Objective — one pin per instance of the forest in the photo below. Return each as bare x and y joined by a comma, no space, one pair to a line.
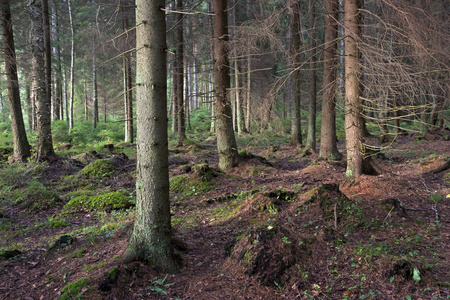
225,149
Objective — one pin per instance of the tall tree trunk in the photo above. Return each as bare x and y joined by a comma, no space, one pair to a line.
328,145
21,146
226,141
181,132
311,135
72,65
151,239
58,111
174,101
128,91
296,130
48,50
29,109
94,77
357,160
86,110
44,143
353,108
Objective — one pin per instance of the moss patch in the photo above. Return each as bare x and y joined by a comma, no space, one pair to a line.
113,200
35,197
100,167
72,290
200,180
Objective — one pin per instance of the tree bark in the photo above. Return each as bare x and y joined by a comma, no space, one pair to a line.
44,143
20,141
353,108
58,109
296,128
48,50
226,141
94,76
128,91
72,65
151,239
311,135
181,128
328,145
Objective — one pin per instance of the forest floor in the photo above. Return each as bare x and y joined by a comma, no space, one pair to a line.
281,225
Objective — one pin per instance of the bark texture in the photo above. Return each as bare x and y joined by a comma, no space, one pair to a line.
226,141
296,128
152,233
44,143
21,146
181,127
328,146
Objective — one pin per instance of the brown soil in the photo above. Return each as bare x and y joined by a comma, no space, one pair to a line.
302,231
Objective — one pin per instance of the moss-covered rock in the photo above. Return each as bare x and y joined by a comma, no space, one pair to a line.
109,201
100,167
72,290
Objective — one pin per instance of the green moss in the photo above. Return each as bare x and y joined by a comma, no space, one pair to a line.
58,222
113,200
112,273
35,197
190,185
72,290
100,167
78,254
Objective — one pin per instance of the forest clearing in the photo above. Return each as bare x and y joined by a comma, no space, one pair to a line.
281,225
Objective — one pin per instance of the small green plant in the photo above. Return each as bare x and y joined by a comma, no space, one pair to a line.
73,290
159,285
57,222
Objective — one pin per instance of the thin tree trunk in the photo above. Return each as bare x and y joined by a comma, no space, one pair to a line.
58,111
328,145
20,141
226,142
72,66
311,135
44,144
296,130
86,110
95,117
48,51
151,239
181,132
29,109
128,91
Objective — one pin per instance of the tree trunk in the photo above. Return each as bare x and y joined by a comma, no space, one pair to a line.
353,108
328,146
311,135
48,50
21,146
296,129
174,101
94,77
86,110
181,128
29,109
151,239
128,92
72,66
44,143
226,142
58,111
